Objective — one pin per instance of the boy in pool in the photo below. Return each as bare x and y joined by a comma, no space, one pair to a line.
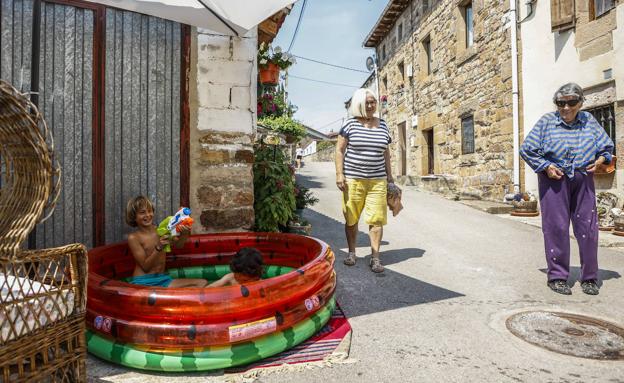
246,267
147,247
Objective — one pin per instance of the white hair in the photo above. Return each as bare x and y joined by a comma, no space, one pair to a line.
358,102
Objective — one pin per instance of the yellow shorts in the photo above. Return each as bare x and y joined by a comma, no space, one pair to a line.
369,195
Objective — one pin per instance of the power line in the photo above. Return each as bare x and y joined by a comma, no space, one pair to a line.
333,65
328,124
292,42
324,82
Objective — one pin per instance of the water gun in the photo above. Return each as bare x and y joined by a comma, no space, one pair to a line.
169,225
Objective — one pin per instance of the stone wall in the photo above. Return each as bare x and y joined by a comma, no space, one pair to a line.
463,81
223,98
325,155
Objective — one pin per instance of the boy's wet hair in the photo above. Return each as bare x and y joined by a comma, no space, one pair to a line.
248,261
134,205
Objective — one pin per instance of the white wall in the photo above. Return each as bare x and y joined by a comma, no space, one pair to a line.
310,149
226,81
550,59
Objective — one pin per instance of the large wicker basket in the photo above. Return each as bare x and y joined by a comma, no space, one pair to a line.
29,177
42,316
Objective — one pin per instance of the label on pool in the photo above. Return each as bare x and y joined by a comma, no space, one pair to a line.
252,329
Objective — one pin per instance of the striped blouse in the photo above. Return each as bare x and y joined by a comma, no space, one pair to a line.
569,147
365,149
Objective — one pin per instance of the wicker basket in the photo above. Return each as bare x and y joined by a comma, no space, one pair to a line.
42,316
29,176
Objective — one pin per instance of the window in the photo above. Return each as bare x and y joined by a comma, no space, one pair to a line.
400,33
427,48
383,53
562,14
401,68
606,117
469,23
468,139
598,8
385,82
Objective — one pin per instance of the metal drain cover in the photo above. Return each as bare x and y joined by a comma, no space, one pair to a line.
569,334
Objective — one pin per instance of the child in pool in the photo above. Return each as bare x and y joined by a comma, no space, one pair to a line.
246,267
147,247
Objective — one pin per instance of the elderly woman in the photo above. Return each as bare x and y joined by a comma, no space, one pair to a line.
564,148
363,173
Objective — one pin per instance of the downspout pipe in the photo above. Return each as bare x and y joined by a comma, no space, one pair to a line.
513,14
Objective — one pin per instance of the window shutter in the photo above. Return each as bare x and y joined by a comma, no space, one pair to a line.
562,14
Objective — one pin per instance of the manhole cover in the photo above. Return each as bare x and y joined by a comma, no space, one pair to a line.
569,334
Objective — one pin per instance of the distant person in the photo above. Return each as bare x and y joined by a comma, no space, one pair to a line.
147,247
363,172
564,148
246,266
298,156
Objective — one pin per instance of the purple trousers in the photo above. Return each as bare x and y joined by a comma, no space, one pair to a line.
562,201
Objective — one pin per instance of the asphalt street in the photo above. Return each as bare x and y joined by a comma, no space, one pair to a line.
437,314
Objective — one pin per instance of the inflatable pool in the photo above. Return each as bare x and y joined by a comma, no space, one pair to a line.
194,329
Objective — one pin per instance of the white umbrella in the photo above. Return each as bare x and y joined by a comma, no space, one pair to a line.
230,17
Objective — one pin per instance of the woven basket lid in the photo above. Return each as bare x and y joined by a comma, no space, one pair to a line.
29,175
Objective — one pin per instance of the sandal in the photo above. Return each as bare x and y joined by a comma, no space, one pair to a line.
350,260
375,265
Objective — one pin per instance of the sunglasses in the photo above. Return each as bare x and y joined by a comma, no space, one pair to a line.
571,103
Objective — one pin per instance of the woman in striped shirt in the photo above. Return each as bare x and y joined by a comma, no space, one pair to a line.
363,172
565,148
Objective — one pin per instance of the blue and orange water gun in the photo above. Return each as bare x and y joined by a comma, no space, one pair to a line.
169,226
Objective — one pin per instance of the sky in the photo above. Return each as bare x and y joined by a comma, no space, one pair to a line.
332,31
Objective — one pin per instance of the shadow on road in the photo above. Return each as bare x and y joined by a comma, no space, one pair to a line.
361,292
308,181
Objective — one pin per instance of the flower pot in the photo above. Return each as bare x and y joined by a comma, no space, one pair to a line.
298,229
524,208
618,223
269,75
607,169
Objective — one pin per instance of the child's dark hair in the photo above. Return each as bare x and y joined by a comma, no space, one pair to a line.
248,261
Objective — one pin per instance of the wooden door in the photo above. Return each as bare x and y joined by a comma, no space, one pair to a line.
142,128
66,59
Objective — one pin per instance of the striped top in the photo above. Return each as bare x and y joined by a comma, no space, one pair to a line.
569,147
365,149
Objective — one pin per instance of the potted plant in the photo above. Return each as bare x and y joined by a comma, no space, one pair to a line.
298,225
271,61
303,198
286,125
274,196
525,205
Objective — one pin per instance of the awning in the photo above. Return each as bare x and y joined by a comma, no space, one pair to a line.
229,17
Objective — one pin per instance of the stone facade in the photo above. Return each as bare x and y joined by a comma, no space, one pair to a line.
223,119
590,53
427,99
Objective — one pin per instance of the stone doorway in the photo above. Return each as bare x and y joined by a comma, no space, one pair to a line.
402,149
430,157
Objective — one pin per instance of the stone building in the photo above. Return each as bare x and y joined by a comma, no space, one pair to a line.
578,41
445,67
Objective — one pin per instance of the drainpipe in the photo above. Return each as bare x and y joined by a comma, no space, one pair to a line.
515,94
377,86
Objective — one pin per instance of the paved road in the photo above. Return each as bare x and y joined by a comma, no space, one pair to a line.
437,314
